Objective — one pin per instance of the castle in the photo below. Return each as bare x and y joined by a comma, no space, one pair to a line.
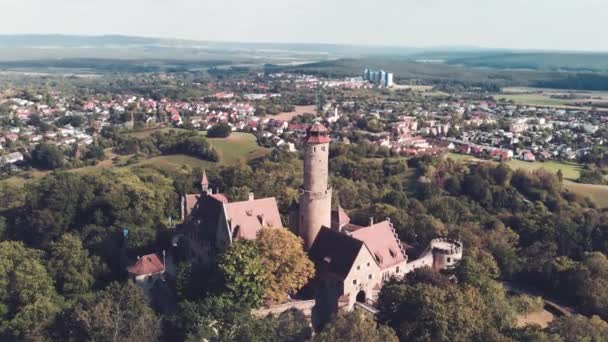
352,262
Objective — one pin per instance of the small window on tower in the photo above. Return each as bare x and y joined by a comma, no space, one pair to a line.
314,149
354,281
323,148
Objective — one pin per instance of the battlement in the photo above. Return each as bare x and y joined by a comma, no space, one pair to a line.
446,252
446,246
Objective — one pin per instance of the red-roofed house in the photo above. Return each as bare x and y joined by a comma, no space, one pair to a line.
147,270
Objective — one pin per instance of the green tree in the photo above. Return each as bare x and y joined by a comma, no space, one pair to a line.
119,313
221,319
424,312
578,328
525,304
47,157
292,326
94,152
287,266
244,273
28,301
71,266
221,130
355,326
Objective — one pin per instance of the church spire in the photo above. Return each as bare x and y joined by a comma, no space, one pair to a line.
204,183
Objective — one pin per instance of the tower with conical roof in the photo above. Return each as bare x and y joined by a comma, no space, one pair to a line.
315,200
205,183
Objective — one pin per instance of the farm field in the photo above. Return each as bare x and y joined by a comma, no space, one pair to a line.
542,97
533,99
287,116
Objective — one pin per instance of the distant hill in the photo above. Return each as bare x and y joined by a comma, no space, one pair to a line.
406,70
72,41
554,61
117,41
470,65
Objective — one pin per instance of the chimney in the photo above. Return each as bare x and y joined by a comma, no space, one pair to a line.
251,196
371,221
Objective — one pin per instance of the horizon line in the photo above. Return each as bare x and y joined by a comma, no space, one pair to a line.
424,48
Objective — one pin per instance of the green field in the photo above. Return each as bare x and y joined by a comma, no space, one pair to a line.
597,193
571,171
533,99
239,147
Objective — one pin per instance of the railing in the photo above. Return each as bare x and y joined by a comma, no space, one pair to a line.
366,307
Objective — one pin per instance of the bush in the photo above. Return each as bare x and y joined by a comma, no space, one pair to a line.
220,130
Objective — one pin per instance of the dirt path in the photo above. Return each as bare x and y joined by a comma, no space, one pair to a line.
542,318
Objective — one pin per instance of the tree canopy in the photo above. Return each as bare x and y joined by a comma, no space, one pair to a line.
28,301
355,326
244,272
287,266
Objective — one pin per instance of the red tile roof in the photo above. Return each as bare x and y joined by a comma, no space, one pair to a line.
317,127
220,198
317,140
247,218
147,264
191,202
317,134
382,242
339,218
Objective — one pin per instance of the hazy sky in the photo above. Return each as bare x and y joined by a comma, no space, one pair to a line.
541,24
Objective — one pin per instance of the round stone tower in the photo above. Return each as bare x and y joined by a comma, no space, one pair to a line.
315,200
446,253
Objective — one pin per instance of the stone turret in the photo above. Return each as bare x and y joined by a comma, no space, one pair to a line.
315,199
446,253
